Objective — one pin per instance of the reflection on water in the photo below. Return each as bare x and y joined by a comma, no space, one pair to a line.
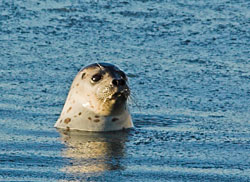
91,152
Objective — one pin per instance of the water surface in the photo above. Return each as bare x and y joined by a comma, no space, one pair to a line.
188,64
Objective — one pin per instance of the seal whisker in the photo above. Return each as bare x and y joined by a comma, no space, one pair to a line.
99,66
133,100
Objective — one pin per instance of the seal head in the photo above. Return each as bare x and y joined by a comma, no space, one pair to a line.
97,100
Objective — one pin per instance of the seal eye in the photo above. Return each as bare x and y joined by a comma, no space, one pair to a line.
96,77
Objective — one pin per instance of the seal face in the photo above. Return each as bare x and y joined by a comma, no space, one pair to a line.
97,100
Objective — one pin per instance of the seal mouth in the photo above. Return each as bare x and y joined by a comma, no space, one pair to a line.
123,94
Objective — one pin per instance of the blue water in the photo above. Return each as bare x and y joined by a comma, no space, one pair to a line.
188,64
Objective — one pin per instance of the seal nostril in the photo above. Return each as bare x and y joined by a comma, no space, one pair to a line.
119,82
115,82
122,82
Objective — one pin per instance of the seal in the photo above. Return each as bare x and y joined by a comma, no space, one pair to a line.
97,100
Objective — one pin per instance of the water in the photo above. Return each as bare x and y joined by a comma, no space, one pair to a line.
189,72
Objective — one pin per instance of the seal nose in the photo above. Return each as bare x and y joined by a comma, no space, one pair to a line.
118,82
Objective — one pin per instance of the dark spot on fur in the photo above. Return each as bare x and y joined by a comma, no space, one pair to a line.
96,120
79,113
67,120
77,84
69,109
115,119
61,120
75,116
68,128
83,75
97,116
89,118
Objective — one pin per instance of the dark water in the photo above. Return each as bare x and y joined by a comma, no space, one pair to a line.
188,64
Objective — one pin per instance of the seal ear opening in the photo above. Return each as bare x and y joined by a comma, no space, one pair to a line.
83,75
